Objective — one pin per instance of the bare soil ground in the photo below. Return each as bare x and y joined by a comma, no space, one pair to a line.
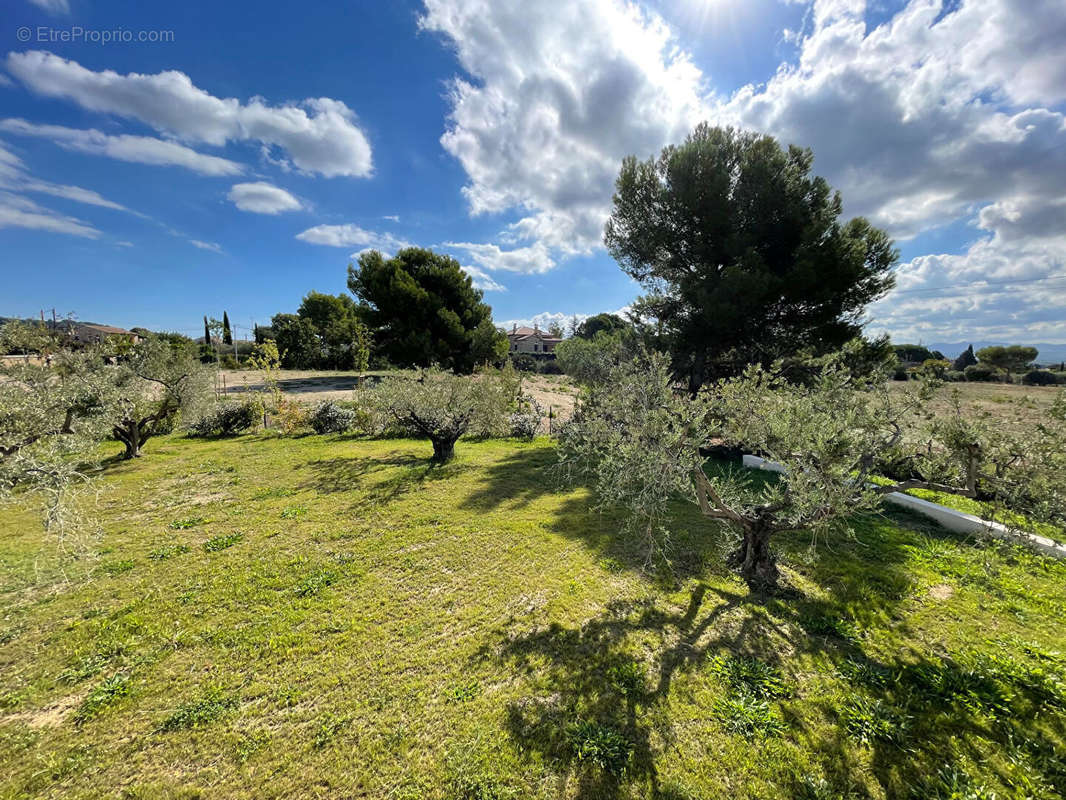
555,393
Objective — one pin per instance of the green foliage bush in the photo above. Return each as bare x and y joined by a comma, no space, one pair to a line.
227,418
979,372
523,362
1039,377
328,417
955,376
591,360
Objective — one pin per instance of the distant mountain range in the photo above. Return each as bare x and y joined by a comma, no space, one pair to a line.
1048,353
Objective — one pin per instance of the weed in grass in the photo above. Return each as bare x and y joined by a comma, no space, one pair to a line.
287,696
269,494
217,543
952,783
249,744
750,676
13,698
214,703
600,745
748,716
811,788
477,785
118,567
185,524
869,721
627,678
102,695
864,673
85,667
823,625
168,551
293,512
327,729
10,634
314,583
464,692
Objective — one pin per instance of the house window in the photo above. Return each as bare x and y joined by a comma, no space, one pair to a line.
536,348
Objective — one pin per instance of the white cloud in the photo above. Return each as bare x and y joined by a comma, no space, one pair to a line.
546,319
350,235
21,212
563,93
123,244
75,193
318,135
262,198
532,259
53,6
391,217
482,280
125,147
211,246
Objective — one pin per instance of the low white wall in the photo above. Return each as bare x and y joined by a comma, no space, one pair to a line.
958,521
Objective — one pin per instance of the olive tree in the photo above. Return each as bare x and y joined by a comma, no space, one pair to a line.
436,405
639,438
52,418
151,387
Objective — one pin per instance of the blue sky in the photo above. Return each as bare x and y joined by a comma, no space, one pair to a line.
246,160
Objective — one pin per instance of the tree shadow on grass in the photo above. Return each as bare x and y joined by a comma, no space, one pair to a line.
589,678
407,473
520,478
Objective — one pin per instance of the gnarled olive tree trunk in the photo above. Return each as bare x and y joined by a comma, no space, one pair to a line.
443,448
754,559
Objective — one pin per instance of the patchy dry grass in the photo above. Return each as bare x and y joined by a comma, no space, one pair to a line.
466,631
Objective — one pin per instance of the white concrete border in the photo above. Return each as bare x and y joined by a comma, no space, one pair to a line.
958,521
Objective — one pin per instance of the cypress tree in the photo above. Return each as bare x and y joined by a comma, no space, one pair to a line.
227,335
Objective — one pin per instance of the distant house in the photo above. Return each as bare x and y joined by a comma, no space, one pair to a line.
533,341
90,333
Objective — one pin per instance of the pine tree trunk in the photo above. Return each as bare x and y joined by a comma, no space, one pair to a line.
755,560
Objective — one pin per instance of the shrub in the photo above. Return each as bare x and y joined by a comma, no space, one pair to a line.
289,414
227,419
370,417
955,376
1039,377
498,396
979,372
550,366
524,362
525,421
900,373
328,417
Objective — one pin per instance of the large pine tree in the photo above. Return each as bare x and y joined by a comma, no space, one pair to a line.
742,252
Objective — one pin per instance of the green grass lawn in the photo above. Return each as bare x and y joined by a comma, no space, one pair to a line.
326,617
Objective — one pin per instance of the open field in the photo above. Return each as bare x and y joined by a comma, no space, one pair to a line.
554,392
1011,404
333,617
